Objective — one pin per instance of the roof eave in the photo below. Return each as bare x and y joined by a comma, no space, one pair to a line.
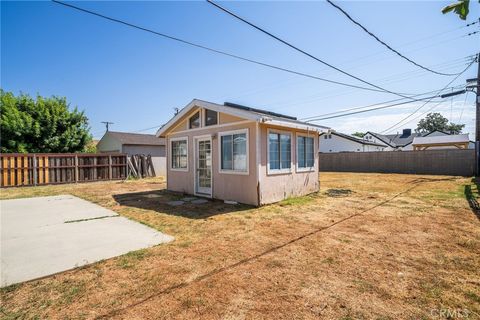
294,125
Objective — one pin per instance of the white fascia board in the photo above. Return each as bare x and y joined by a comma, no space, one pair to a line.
294,125
207,105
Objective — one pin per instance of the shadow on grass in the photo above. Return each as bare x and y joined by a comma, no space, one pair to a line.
177,204
472,193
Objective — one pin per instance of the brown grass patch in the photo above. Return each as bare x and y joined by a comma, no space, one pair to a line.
395,247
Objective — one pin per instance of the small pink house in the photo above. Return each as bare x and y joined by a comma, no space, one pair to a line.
233,152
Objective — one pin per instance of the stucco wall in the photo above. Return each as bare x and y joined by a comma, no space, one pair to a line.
238,187
276,187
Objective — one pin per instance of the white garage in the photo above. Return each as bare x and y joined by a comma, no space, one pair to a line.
136,143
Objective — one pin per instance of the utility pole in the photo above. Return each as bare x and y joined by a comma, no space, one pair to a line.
474,84
107,123
477,120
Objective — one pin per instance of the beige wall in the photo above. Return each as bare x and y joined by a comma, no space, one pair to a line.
276,187
243,187
227,118
227,186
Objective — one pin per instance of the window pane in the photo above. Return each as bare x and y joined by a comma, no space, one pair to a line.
309,152
285,151
227,147
179,154
240,152
210,117
194,121
301,152
274,151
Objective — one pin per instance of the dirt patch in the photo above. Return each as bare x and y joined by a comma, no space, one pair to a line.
338,192
397,247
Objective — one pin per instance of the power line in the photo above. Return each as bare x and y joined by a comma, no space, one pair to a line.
369,110
303,74
342,112
303,51
385,44
416,110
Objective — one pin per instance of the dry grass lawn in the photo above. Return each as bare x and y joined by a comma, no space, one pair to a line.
368,246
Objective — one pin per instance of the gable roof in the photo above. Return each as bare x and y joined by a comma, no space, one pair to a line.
356,139
136,138
248,113
396,140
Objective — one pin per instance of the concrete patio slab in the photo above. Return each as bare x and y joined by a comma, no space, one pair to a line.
46,235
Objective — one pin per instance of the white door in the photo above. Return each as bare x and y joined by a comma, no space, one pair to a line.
203,164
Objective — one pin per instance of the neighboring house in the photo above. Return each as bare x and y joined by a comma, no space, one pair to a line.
454,141
233,152
136,143
339,142
403,141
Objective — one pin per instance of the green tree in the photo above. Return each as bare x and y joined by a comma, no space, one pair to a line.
41,125
435,121
460,7
358,134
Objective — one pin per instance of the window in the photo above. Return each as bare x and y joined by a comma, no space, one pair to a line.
279,152
194,121
325,136
234,151
179,152
211,117
305,153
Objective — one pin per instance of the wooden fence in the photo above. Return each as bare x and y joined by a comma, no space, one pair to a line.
29,169
454,162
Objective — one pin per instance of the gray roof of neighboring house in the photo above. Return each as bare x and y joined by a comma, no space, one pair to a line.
136,138
454,138
355,139
397,140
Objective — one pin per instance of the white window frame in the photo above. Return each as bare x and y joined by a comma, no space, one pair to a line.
279,171
306,169
205,118
195,159
200,119
228,133
171,154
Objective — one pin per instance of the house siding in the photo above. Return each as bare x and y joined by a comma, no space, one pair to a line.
340,144
276,187
238,187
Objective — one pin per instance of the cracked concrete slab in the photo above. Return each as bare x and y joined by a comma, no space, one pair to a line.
46,235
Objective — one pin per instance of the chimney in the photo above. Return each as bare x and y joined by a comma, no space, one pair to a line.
407,132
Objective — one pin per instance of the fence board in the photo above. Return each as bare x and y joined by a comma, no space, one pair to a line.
454,162
51,168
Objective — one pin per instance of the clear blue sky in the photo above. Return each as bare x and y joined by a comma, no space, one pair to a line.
135,79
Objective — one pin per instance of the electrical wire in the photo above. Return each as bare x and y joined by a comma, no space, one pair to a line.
303,74
416,110
303,51
385,44
322,116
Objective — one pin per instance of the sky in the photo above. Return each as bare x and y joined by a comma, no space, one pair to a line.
135,79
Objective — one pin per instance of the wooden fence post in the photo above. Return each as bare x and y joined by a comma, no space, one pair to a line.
110,174
34,169
76,168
